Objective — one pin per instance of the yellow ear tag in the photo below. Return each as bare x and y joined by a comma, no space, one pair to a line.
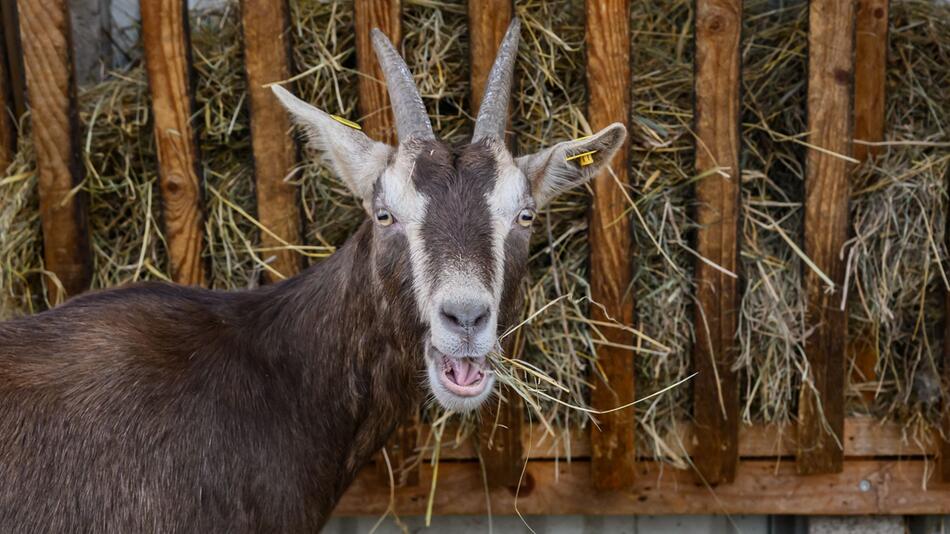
584,158
346,122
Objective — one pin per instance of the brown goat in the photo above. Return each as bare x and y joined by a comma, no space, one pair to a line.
160,408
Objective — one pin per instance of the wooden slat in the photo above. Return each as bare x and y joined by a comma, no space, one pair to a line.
167,58
266,60
44,27
870,68
7,128
501,420
863,438
761,487
11,40
821,405
378,123
608,82
377,119
716,88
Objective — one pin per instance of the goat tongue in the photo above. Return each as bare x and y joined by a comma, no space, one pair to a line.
465,370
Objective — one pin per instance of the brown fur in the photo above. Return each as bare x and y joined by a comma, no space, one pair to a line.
160,408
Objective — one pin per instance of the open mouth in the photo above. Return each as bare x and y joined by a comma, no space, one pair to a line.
465,377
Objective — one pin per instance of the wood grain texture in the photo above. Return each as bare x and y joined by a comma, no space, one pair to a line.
830,70
608,79
44,27
375,110
863,438
167,59
870,68
487,22
870,53
14,57
716,89
267,60
7,128
499,434
879,487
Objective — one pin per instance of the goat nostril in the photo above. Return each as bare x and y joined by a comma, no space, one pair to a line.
465,315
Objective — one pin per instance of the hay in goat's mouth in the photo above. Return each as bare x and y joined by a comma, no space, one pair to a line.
896,257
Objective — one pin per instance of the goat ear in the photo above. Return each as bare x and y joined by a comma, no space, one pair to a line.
557,169
356,159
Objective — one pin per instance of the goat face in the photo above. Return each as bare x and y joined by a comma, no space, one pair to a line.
451,226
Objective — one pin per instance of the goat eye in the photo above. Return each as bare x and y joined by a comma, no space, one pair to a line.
526,217
383,217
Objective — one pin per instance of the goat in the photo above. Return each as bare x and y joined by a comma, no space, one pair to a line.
161,408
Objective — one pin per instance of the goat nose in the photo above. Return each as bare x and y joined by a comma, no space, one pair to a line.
465,317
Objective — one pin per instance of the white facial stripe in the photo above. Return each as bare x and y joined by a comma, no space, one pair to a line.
400,196
506,199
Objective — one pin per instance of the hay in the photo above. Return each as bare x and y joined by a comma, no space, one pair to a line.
898,255
898,207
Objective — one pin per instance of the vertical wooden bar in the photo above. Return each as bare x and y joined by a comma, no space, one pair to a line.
608,81
870,68
716,89
14,57
7,128
378,123
51,87
377,118
266,60
870,53
500,447
167,59
830,70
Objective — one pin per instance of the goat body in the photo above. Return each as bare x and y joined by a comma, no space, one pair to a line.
159,408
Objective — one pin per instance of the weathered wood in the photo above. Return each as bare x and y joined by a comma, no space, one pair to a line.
715,388
51,86
761,487
14,57
7,127
267,60
608,82
167,59
864,437
377,117
870,67
830,69
487,22
501,420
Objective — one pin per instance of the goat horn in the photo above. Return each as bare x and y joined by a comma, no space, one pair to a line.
412,119
493,112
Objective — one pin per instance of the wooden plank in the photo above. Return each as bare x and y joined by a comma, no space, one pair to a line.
608,82
501,420
266,60
870,66
715,388
830,69
44,27
761,487
14,58
7,127
870,69
863,438
377,118
167,59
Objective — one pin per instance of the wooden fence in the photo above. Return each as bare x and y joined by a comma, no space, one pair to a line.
737,469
